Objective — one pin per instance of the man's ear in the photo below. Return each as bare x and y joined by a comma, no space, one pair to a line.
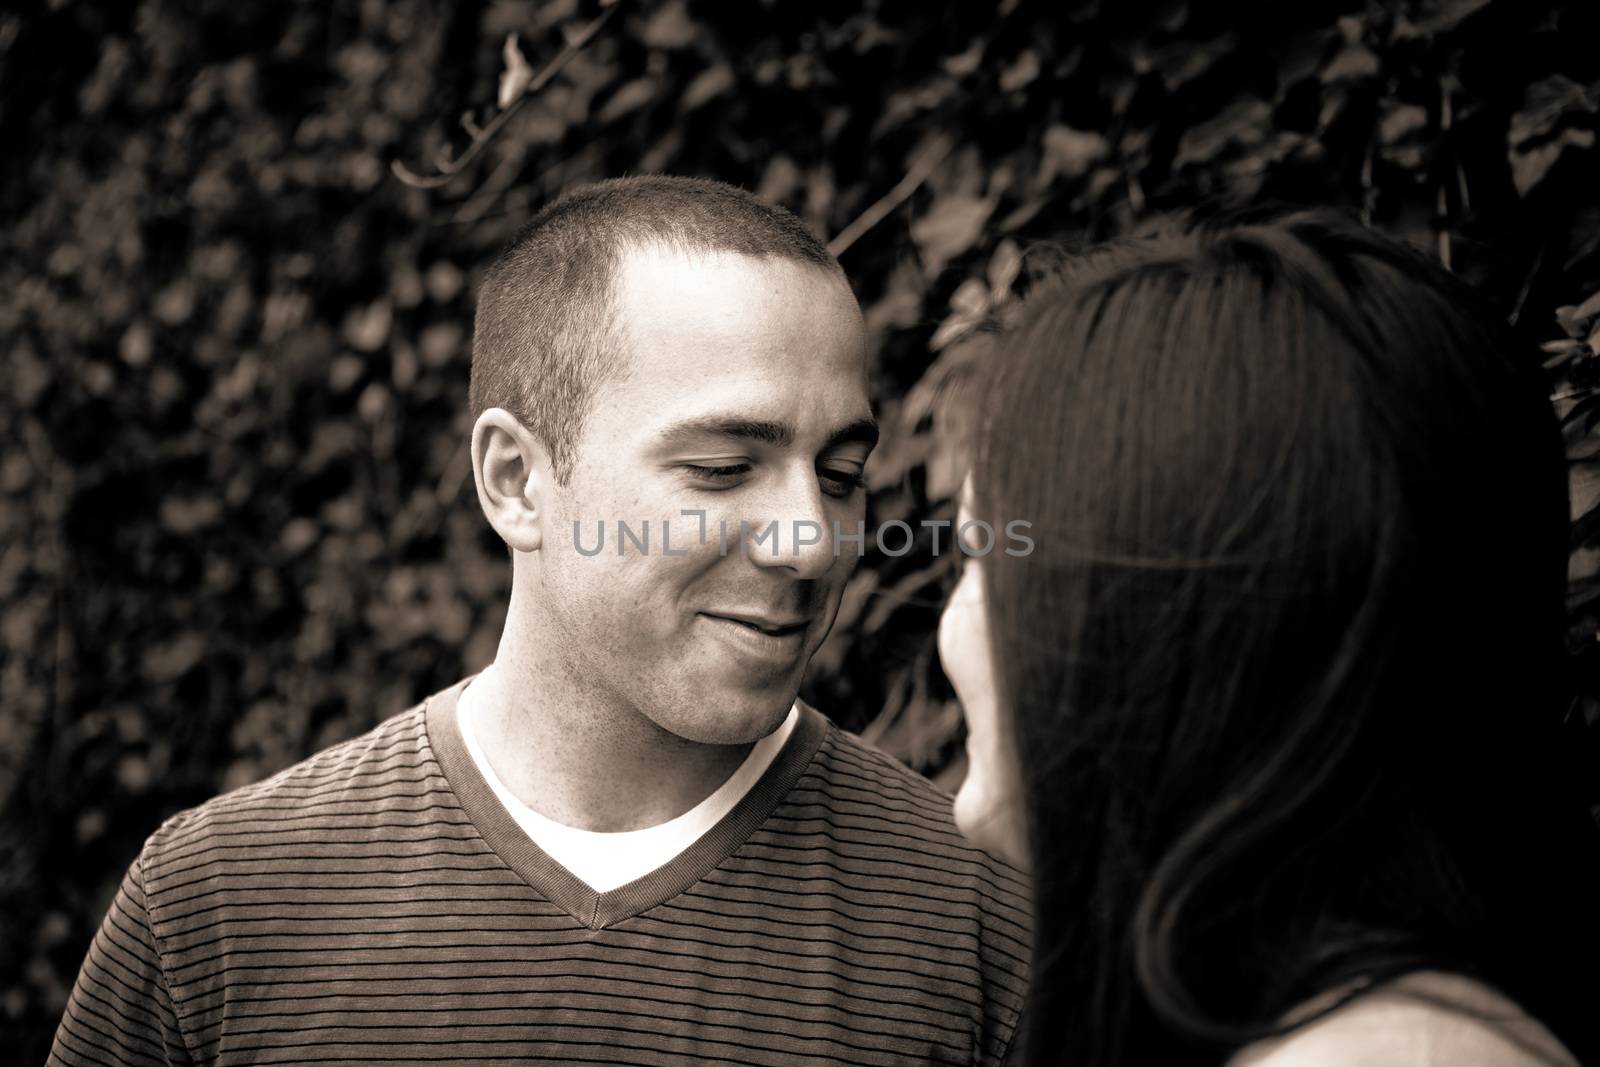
513,474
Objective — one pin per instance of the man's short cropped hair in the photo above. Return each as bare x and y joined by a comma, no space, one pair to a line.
545,336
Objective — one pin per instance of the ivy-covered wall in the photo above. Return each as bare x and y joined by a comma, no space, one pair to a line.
236,522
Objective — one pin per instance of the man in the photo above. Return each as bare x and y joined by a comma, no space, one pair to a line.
625,841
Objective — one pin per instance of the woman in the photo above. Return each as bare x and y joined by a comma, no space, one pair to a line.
1271,708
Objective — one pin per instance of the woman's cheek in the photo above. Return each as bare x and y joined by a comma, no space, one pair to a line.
985,807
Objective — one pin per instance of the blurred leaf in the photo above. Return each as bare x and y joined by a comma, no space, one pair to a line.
1069,153
1021,72
187,515
1400,122
1530,165
1442,16
174,304
367,329
1561,352
707,85
669,26
953,328
901,303
1586,529
1546,104
949,228
441,343
1004,266
968,306
1543,130
966,62
1184,62
517,75
297,536
165,661
630,97
1242,124
971,298
1574,319
136,345
1354,63
445,281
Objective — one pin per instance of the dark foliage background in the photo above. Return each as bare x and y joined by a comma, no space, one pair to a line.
235,516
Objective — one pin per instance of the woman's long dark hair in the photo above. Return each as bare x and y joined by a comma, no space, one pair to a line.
1285,665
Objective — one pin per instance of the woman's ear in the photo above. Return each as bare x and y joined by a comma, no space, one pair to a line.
512,472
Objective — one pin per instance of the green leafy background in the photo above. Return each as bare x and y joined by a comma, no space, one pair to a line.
235,516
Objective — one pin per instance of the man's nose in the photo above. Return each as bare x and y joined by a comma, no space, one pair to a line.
796,532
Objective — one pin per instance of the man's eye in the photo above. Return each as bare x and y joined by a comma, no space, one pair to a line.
716,475
843,482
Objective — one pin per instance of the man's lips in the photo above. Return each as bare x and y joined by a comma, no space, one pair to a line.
776,627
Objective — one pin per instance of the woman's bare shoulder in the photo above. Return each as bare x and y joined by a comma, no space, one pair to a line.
1430,1019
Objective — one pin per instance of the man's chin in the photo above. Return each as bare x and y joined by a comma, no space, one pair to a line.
732,720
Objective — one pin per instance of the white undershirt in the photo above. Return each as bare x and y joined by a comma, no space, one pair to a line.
607,860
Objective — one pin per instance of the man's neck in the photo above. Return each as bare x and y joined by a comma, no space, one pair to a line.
591,768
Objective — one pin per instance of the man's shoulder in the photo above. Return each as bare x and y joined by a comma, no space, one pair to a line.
351,779
862,825
850,756
871,793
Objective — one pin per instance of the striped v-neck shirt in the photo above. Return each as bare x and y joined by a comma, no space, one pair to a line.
376,903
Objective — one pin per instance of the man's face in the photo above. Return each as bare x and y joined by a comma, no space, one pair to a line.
744,398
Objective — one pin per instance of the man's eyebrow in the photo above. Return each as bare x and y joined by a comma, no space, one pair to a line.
776,434
691,431
862,431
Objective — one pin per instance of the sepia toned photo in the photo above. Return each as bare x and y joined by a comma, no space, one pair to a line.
659,532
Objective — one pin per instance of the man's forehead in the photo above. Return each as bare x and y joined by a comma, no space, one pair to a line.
715,315
738,337
653,271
